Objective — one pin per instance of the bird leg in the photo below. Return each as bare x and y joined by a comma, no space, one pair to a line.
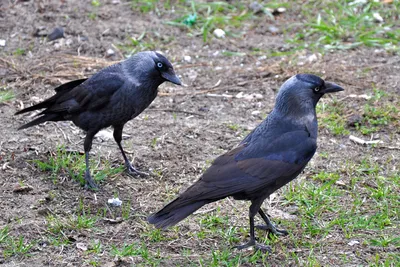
89,182
129,167
252,242
269,225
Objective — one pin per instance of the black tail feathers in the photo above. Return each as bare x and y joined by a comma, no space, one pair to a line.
48,103
41,119
60,90
173,213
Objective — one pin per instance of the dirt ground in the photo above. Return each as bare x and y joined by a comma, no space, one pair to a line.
174,139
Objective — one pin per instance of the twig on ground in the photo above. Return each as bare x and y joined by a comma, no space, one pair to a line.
363,142
204,211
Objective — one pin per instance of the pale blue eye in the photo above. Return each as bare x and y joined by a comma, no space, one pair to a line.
159,65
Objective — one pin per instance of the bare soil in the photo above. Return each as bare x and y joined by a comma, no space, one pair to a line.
192,125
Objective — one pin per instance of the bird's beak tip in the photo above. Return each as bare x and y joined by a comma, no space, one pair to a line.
171,77
332,88
177,82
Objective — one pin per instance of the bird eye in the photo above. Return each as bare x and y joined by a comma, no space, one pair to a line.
316,89
159,65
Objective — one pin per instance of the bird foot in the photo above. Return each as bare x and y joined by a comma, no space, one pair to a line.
271,228
89,182
252,243
132,170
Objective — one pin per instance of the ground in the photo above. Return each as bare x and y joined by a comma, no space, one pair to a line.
343,210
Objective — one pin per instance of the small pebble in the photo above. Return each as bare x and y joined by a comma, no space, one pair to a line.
115,202
353,242
68,42
273,29
57,33
219,33
378,18
2,42
187,58
281,9
110,52
312,58
83,38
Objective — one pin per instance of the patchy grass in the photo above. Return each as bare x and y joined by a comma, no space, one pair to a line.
144,5
6,95
64,162
376,116
332,117
348,24
137,249
13,246
19,52
135,44
379,113
203,18
359,201
325,25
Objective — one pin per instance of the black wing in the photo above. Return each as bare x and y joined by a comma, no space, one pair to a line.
253,166
78,96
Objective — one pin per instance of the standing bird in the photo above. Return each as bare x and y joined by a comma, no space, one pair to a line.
111,97
272,155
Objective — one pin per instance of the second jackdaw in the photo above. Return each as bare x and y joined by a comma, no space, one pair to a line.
111,97
272,155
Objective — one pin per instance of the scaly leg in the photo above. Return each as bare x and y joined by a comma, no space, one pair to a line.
255,206
269,225
118,139
89,182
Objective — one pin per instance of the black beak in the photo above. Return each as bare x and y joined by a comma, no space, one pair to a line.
171,77
331,88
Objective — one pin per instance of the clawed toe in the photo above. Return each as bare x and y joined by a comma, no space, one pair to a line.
90,183
261,247
251,243
133,171
273,230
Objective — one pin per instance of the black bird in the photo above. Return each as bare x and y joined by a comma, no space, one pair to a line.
272,155
111,97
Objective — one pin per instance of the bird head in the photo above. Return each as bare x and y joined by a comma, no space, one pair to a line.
302,93
164,67
150,66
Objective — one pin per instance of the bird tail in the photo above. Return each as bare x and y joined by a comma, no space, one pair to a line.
41,105
60,90
174,212
41,119
48,114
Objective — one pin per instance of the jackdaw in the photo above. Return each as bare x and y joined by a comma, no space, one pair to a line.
111,97
272,155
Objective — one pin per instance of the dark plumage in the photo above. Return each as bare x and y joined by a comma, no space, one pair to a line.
272,155
110,97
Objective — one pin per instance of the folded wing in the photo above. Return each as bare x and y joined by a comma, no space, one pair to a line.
76,97
243,172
